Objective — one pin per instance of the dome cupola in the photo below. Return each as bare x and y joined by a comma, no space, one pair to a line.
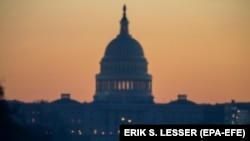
124,47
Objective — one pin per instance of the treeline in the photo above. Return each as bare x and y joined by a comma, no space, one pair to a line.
11,131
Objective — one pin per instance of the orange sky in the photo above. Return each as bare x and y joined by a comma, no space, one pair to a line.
198,48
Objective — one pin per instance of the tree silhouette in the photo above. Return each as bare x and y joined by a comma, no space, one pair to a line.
1,92
11,131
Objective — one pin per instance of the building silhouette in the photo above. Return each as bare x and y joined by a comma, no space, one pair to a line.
123,95
124,77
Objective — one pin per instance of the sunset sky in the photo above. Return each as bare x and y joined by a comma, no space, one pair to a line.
193,47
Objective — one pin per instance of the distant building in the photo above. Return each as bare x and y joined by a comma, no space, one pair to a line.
237,113
123,95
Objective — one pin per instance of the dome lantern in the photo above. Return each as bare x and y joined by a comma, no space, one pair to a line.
124,23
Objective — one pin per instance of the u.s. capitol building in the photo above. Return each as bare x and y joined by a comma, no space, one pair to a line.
123,95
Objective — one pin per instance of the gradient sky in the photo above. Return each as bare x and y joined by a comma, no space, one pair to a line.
194,47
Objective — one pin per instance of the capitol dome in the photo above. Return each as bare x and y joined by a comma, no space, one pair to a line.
123,76
124,48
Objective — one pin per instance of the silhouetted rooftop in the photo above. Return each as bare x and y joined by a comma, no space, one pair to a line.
182,100
65,101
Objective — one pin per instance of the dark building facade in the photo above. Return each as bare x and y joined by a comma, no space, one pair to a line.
123,95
